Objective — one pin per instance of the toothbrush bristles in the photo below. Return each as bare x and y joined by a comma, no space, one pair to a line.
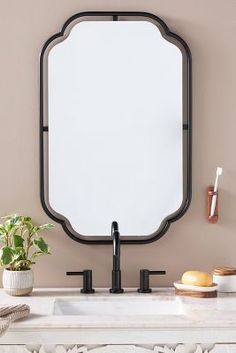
219,170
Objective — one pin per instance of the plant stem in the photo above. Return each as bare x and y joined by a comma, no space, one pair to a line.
28,244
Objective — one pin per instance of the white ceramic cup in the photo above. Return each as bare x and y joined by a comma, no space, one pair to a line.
226,284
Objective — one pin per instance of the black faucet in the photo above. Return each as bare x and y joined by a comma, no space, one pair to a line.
116,272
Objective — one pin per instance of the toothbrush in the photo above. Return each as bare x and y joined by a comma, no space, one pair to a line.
219,172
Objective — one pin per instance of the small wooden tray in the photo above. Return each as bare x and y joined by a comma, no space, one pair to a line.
195,294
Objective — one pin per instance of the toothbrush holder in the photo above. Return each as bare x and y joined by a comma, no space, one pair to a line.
210,192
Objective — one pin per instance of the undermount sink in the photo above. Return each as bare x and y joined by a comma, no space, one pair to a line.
116,307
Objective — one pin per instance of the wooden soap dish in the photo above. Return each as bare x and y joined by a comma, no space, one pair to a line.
195,294
195,291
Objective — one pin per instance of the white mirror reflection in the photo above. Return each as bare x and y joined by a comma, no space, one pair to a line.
115,128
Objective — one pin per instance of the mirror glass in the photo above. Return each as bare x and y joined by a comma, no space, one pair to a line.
115,128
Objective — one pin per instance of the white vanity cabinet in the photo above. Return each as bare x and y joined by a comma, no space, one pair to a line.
65,321
179,348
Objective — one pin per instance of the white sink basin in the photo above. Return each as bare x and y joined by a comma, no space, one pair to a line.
116,307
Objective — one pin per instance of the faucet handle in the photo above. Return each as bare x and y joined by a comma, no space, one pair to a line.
144,280
87,280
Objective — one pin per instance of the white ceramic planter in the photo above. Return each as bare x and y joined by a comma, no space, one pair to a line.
18,282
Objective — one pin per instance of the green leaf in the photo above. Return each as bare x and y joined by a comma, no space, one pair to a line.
29,226
46,226
13,220
27,219
35,229
8,227
37,253
18,241
19,254
3,239
16,220
40,243
8,216
6,255
2,229
22,265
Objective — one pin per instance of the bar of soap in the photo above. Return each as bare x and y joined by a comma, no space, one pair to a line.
197,278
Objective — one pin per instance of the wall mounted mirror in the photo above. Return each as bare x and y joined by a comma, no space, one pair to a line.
115,126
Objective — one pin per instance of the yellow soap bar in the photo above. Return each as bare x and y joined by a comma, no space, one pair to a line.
197,278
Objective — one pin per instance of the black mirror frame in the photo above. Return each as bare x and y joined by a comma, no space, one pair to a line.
187,128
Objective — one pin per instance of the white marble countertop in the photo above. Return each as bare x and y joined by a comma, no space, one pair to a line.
212,320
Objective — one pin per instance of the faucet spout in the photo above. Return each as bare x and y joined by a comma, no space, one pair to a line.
116,239
116,272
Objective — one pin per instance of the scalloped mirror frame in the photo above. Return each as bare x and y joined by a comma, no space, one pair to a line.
187,127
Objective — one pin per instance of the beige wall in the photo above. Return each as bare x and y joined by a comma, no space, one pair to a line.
209,27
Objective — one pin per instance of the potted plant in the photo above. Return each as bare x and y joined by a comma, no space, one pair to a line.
20,246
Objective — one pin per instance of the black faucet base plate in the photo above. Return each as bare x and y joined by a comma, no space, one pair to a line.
144,291
116,291
87,291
